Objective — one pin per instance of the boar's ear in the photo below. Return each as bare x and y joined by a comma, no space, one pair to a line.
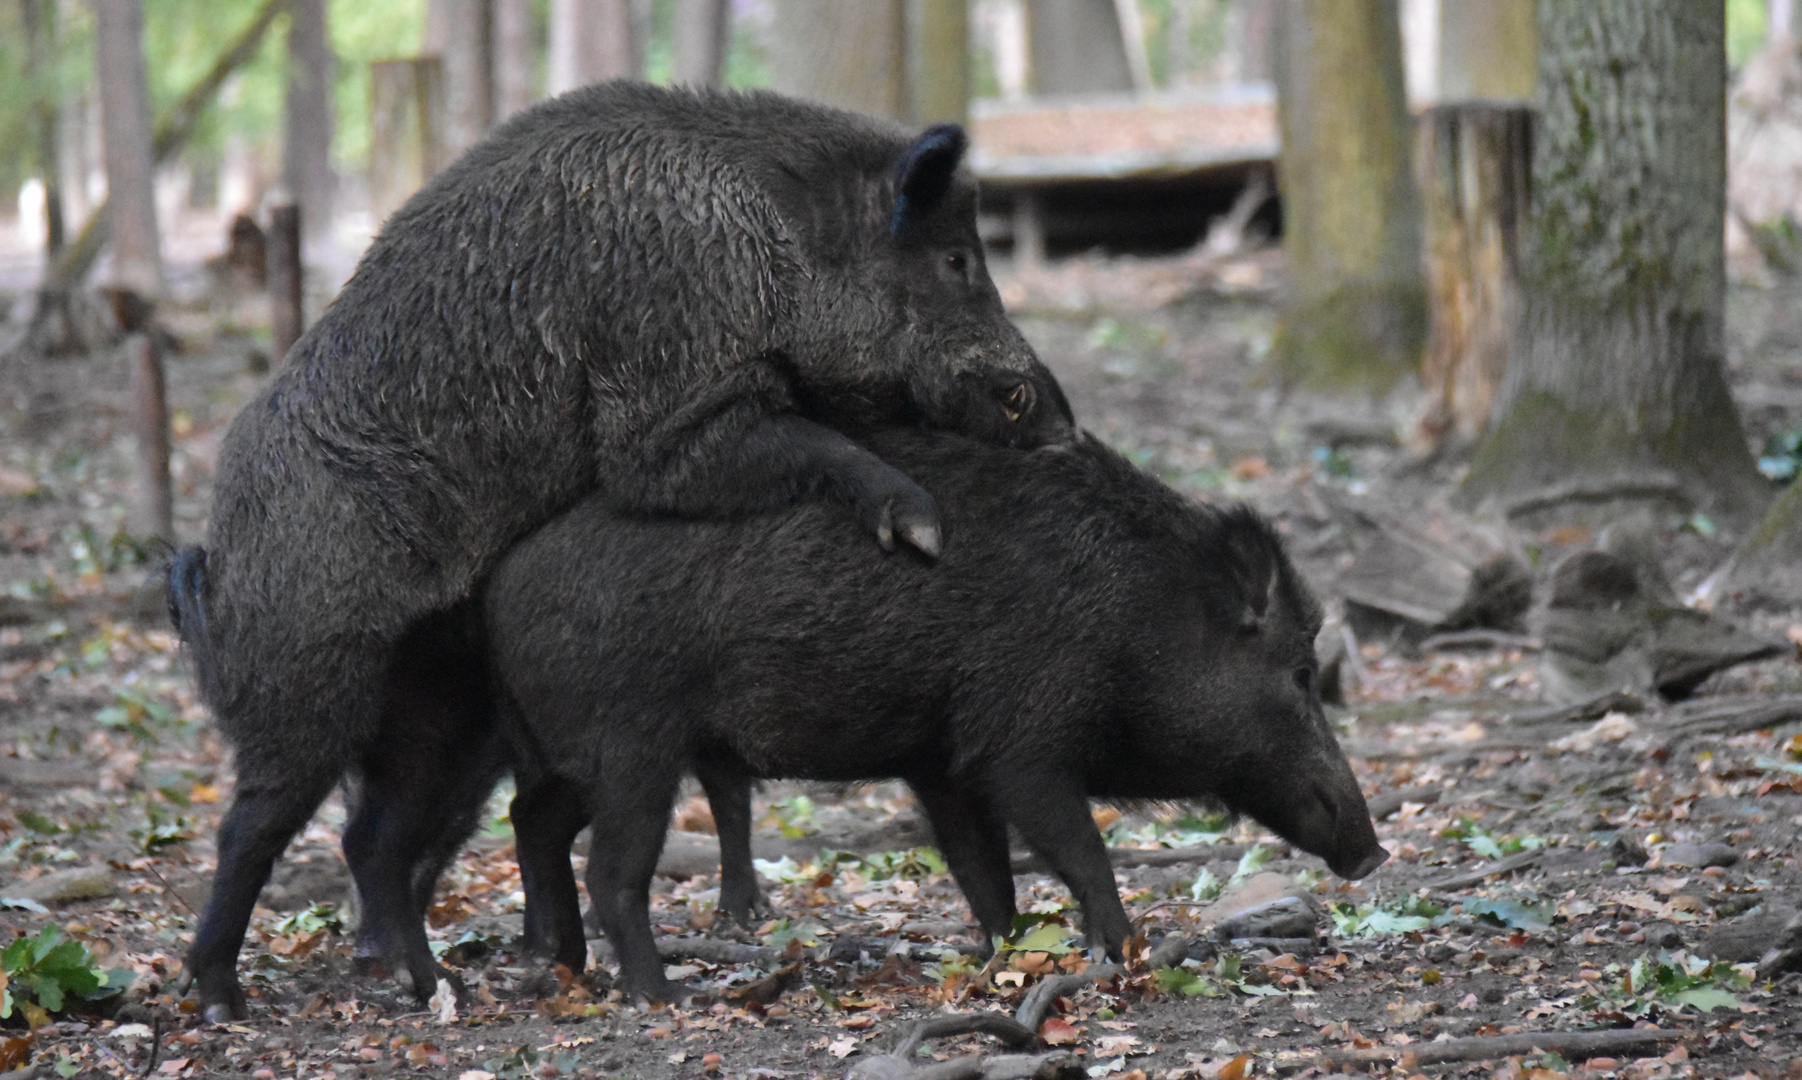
924,174
1252,556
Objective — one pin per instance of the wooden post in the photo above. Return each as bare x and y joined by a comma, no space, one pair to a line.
287,318
1475,160
153,509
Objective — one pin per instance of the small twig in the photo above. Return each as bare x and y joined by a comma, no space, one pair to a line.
156,1043
1201,853
1509,865
1389,802
1000,1025
170,889
1171,904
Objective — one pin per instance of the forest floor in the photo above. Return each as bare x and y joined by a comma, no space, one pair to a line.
1549,875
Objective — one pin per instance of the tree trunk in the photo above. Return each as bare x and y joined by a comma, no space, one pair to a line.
591,40
848,53
1077,47
130,169
1474,163
468,74
307,135
701,33
1780,19
1768,568
938,61
515,58
1615,377
40,75
1488,50
406,129
1356,312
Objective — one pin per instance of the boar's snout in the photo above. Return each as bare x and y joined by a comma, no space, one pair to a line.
1349,840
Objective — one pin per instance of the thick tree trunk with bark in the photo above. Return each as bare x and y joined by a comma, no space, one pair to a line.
515,58
307,133
1077,47
908,60
591,40
848,53
1615,378
468,73
1474,162
938,61
699,47
130,166
1356,313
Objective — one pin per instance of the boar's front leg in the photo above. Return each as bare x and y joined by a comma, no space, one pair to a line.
1052,813
740,448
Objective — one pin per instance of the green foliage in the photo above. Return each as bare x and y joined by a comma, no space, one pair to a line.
1190,830
524,1062
1227,973
1782,457
49,969
1520,912
312,918
1401,916
1671,981
1745,30
1472,834
362,32
951,963
794,817
161,831
138,714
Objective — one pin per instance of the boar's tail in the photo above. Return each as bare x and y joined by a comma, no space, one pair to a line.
186,594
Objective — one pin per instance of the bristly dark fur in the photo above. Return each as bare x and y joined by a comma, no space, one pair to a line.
652,295
1087,633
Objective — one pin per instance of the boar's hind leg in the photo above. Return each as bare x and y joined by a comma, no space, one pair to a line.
973,839
1052,813
729,797
631,814
547,813
271,804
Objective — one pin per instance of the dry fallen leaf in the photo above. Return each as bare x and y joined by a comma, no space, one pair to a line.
1058,1032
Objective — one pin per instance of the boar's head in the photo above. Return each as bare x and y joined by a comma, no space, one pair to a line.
904,312
1235,711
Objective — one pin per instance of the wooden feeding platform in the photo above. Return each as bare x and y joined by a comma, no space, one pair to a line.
1141,174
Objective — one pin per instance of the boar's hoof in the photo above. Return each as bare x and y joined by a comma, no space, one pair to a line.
924,538
221,1013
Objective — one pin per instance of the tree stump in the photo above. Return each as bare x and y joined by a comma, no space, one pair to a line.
1475,164
153,499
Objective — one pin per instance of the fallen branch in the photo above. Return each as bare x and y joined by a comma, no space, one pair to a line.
1200,853
1737,718
1509,865
1037,1000
1389,802
1490,1047
1650,485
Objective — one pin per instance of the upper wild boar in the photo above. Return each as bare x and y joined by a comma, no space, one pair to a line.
652,295
1087,633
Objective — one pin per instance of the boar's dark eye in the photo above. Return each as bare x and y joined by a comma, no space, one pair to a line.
1304,679
958,262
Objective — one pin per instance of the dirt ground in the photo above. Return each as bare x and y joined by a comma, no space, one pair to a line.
1651,851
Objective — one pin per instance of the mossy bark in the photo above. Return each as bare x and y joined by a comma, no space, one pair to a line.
1615,374
1768,568
1356,312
